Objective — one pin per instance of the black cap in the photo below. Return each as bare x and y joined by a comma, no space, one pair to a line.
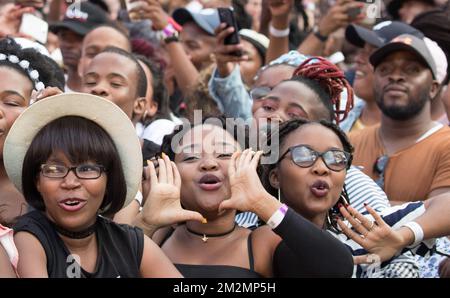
207,19
380,34
394,6
405,42
81,17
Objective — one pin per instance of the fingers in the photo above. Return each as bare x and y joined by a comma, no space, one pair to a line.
232,164
366,259
169,169
351,234
255,160
355,223
378,219
187,215
249,157
176,175
225,205
162,176
368,224
152,173
241,160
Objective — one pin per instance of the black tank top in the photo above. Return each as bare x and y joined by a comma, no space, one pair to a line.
120,248
218,271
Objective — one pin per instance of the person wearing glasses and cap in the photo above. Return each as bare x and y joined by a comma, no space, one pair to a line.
407,141
77,167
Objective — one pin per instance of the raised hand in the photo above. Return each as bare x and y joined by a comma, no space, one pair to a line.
162,206
280,8
150,9
246,188
376,237
225,60
10,19
338,17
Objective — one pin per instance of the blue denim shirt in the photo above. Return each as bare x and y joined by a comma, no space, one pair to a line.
230,94
353,115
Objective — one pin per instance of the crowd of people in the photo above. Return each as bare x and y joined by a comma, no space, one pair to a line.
157,138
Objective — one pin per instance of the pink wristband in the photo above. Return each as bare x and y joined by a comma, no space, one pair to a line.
277,217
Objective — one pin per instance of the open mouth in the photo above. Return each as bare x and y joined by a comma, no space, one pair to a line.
320,188
72,204
210,182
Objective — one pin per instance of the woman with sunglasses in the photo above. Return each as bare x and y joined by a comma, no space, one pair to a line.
77,167
309,177
208,179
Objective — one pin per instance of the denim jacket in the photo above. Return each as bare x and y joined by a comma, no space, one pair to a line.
231,95
353,115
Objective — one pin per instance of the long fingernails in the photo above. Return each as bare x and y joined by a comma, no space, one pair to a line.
163,155
148,162
204,221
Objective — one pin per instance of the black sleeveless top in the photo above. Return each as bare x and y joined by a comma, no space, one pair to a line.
120,248
218,271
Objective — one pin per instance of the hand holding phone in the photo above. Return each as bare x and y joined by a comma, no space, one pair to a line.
34,27
226,16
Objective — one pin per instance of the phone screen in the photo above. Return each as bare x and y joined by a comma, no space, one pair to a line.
35,27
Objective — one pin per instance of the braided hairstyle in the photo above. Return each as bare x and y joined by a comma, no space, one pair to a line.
285,129
38,62
318,72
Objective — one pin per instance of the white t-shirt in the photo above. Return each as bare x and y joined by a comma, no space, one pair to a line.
156,131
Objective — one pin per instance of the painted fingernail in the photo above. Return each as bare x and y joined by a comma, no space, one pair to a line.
163,155
365,204
340,205
204,221
148,162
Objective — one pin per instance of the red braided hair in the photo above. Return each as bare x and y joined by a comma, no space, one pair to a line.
330,78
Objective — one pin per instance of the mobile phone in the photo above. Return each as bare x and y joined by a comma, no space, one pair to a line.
35,27
353,12
133,7
226,16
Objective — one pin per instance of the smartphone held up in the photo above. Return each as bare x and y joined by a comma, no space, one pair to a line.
226,15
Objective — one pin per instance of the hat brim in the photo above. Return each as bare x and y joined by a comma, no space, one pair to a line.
74,26
359,36
101,111
183,16
378,56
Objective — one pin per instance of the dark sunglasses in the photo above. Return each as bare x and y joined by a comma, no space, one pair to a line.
305,157
259,92
380,167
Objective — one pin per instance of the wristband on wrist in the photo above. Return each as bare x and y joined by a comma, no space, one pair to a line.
277,217
317,34
417,231
175,25
278,33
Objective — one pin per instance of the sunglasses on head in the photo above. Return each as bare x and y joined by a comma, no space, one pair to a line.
259,92
305,157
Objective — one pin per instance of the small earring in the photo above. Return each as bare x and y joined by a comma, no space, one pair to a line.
279,195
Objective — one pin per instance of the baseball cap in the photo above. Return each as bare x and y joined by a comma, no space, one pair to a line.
207,19
406,42
81,18
394,6
380,34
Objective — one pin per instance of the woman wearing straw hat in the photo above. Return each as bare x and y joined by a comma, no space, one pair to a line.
76,159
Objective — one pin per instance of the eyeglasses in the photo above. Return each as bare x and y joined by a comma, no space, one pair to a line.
380,167
85,171
305,157
259,92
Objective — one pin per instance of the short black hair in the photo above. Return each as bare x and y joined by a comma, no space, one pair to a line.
42,64
117,26
80,140
160,94
289,126
141,88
